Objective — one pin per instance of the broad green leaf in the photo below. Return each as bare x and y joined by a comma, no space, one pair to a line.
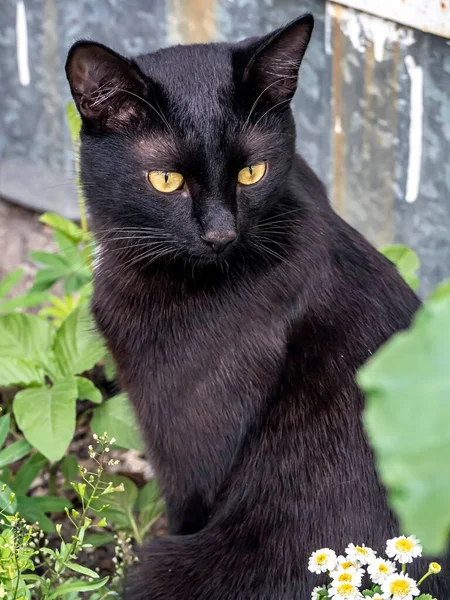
406,261
68,228
50,504
28,473
25,336
69,468
46,415
116,416
10,281
407,385
110,367
99,539
77,586
83,570
5,422
28,510
14,452
77,345
51,259
6,505
19,372
121,504
26,301
150,505
88,391
441,291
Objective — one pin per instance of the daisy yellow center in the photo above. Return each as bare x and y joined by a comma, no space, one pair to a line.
400,587
347,564
404,545
345,577
345,589
383,569
321,558
361,550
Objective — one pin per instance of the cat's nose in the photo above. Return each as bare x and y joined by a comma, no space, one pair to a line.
219,239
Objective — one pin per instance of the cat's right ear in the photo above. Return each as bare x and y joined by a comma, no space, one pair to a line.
107,87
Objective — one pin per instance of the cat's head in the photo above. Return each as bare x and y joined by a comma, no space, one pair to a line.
185,152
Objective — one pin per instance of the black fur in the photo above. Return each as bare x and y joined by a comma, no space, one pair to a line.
240,366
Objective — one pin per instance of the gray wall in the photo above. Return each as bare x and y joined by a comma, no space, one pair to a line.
373,110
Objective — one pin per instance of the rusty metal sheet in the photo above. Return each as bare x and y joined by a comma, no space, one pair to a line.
432,16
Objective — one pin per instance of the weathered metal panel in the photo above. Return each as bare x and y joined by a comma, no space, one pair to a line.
432,16
391,135
36,160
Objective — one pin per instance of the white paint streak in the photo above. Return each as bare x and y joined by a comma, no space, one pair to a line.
329,13
361,28
22,43
415,73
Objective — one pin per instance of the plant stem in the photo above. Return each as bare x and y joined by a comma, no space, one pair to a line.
423,578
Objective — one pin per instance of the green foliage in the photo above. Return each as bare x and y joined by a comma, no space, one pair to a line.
407,386
133,511
406,261
117,417
22,546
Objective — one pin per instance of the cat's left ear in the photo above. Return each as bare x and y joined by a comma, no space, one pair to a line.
269,66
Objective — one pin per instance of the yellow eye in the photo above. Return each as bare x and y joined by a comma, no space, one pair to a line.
252,173
166,181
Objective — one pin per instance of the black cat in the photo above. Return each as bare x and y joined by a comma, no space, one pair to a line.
238,307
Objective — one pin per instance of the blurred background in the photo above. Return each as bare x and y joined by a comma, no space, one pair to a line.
372,110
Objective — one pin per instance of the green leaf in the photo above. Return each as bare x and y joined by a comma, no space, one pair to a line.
110,367
82,570
6,506
25,336
77,586
50,504
116,416
14,452
69,468
74,121
99,539
51,259
88,391
32,513
406,261
441,291
150,505
407,385
28,473
26,301
19,372
68,228
5,422
50,425
10,281
77,346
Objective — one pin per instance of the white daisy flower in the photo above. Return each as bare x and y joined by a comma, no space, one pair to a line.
322,560
344,591
315,592
400,587
377,597
404,549
348,575
380,569
345,563
362,554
